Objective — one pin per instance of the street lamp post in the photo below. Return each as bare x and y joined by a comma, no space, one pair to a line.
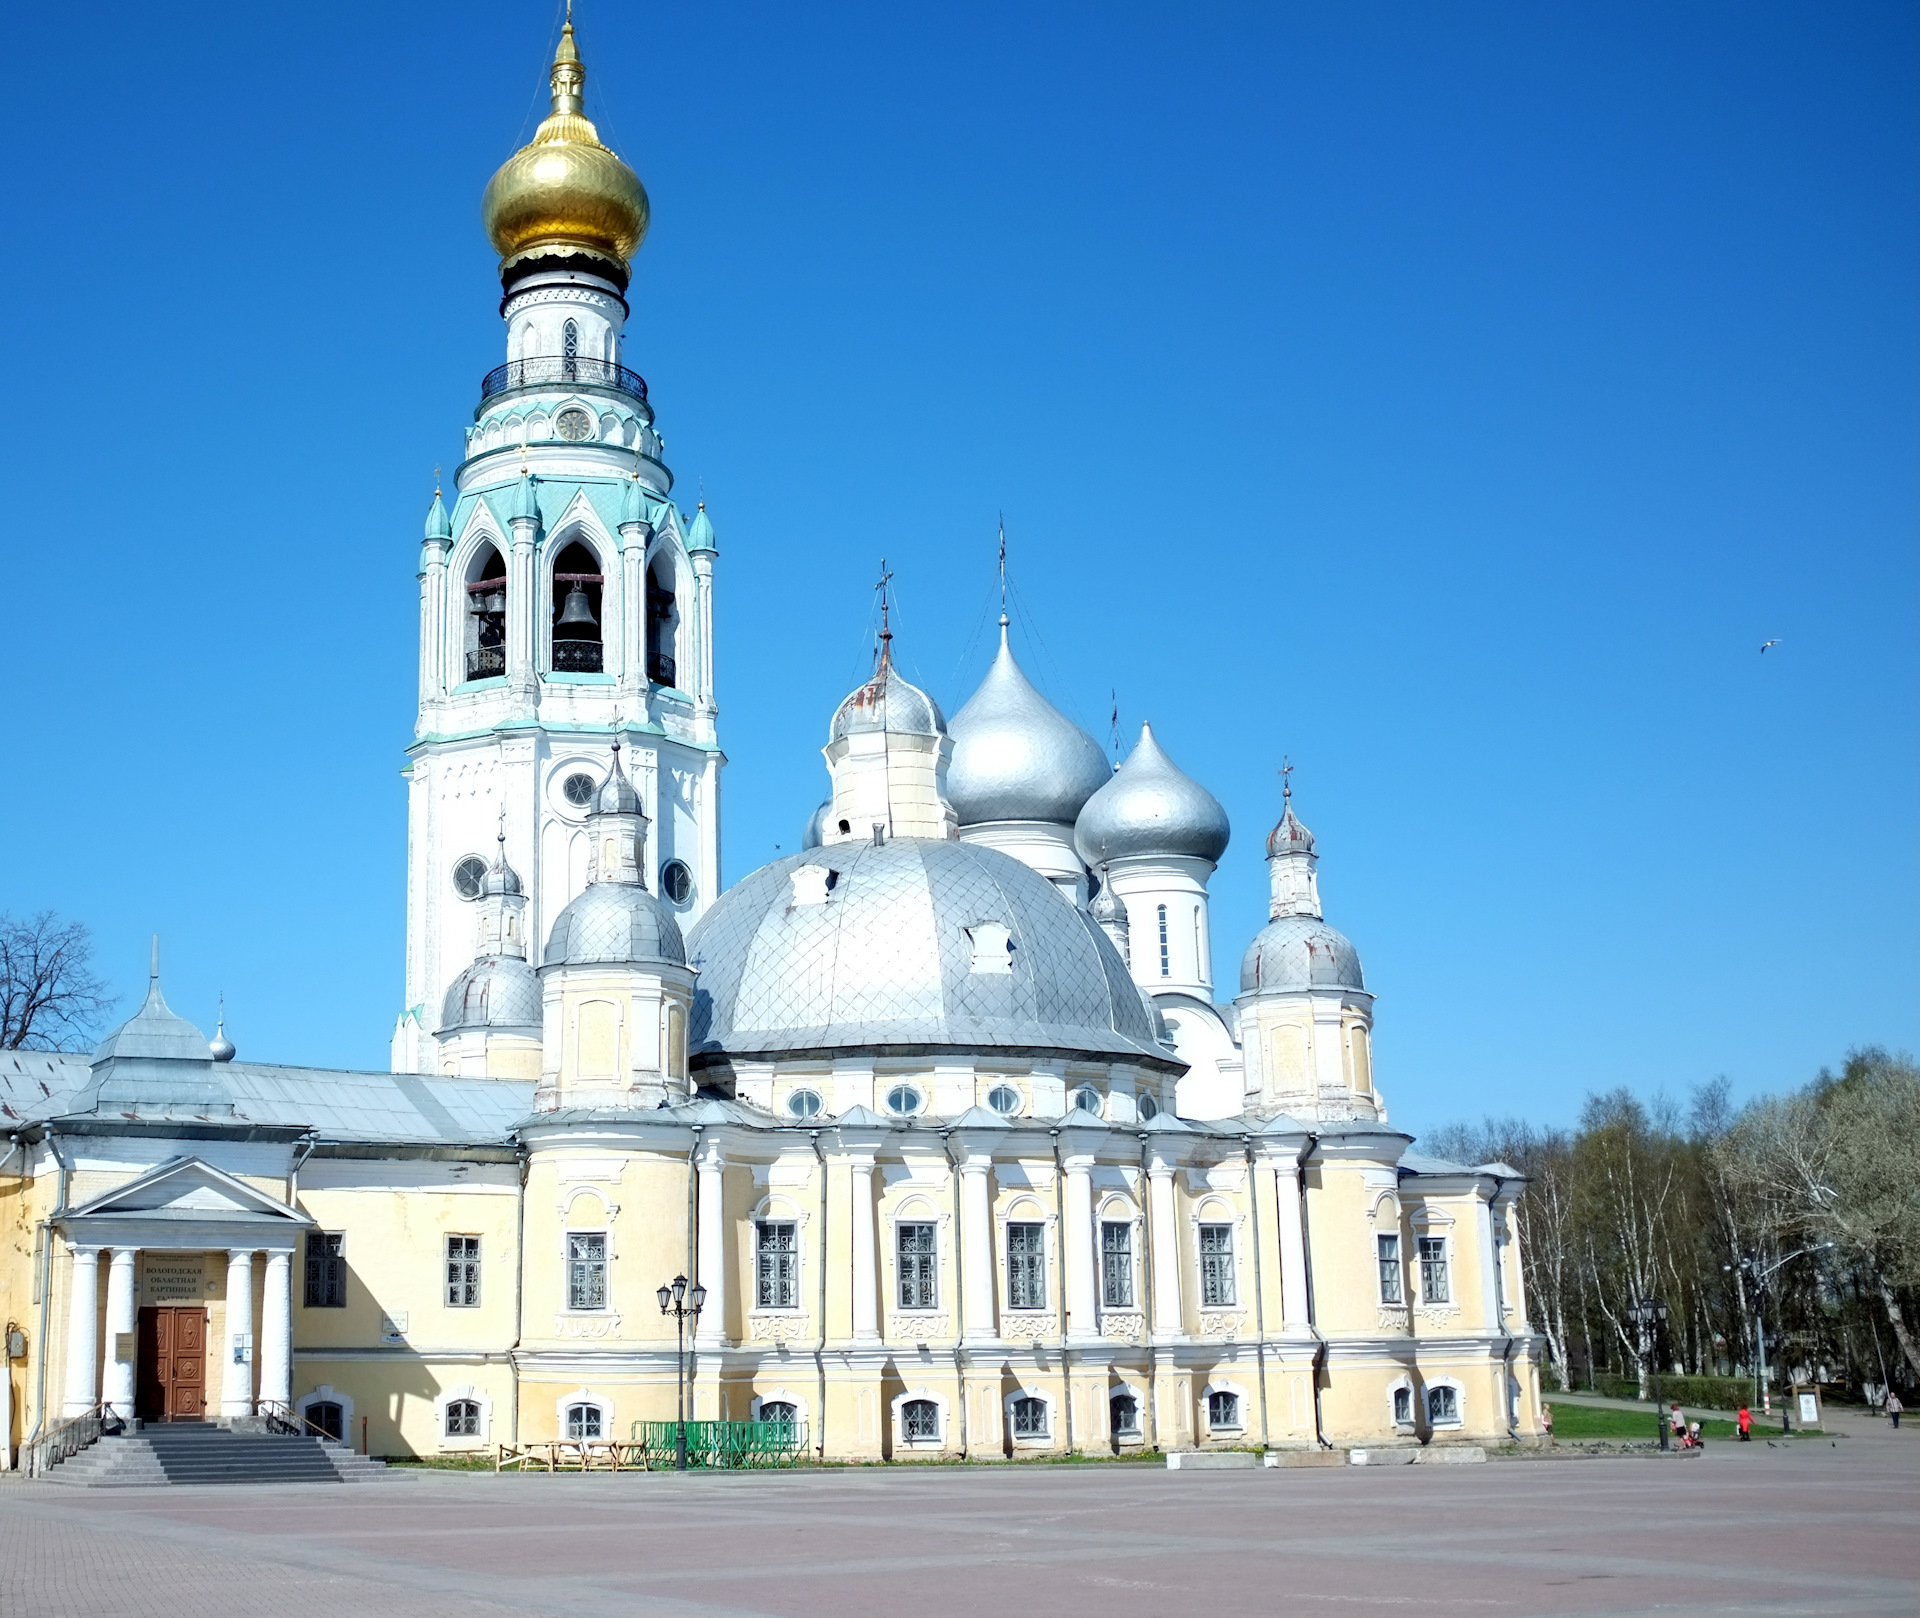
1759,1278
683,1303
1648,1315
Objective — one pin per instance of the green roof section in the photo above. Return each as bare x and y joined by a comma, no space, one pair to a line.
700,536
439,525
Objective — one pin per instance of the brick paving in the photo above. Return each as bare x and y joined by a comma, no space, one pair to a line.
1813,1529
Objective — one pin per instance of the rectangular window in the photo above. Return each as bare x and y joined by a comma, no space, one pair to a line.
777,1267
1116,1265
1029,1417
1433,1269
1389,1250
916,1259
463,1272
1165,967
326,1270
1216,1265
1026,1266
1443,1407
586,1269
1223,1409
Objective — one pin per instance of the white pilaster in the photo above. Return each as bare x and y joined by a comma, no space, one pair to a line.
1077,1253
276,1331
116,1386
976,1247
83,1333
236,1353
1293,1245
866,1275
1166,1252
522,609
712,1260
1489,1264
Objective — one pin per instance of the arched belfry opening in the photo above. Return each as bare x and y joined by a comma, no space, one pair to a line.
577,587
663,625
486,625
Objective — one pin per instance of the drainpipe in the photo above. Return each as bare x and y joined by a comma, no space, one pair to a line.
1259,1294
820,1348
959,1288
46,1280
1146,1226
1060,1224
1320,1343
693,1237
519,1290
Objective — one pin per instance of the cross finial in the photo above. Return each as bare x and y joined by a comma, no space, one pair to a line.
436,483
503,831
1286,783
1003,570
886,608
1115,738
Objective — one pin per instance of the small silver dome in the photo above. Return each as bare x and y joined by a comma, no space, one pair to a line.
1300,952
913,944
1289,837
1108,907
1016,756
220,1047
618,923
888,703
497,991
816,832
1151,807
501,880
616,795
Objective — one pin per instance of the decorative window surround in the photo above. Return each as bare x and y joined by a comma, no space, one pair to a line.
1039,1440
912,1395
467,1441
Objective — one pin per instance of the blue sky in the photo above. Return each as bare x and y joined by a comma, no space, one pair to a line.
1451,398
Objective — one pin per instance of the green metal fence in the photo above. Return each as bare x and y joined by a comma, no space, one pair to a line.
721,1443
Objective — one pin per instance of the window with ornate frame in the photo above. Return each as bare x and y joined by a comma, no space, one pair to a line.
1434,1280
916,1261
1223,1409
586,1270
1029,1416
920,1422
585,1420
1443,1405
463,1272
1026,1265
1387,1252
463,1418
1217,1290
776,1265
1116,1264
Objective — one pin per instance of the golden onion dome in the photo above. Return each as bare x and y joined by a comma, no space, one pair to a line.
564,193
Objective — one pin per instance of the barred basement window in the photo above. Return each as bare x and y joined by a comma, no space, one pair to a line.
915,1256
920,1421
1443,1407
1389,1252
1029,1417
1433,1269
1223,1409
1116,1265
463,1272
463,1418
1125,1410
327,1418
1216,1265
777,1272
1403,1406
1166,970
583,1421
779,1412
586,1270
326,1270
1026,1266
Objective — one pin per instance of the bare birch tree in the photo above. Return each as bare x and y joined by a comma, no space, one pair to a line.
50,997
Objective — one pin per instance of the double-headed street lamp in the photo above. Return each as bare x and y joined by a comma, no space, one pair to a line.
1759,1278
683,1303
1649,1314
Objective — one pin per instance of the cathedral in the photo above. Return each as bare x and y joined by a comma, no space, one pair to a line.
940,1119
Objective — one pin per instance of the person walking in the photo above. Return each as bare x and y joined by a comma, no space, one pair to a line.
1678,1424
1546,1422
1894,1407
1744,1421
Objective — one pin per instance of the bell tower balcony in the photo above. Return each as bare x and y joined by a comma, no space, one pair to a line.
569,371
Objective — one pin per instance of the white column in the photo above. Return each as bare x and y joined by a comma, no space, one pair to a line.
1293,1245
631,638
276,1331
1166,1252
1489,1265
976,1247
712,1257
83,1333
122,1321
1077,1251
866,1274
524,613
236,1353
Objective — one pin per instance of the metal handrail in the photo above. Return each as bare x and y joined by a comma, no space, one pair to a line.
563,371
39,1457
283,1418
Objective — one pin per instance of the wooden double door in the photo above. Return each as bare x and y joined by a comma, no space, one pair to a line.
172,1381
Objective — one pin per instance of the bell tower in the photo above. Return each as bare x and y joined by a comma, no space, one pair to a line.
565,601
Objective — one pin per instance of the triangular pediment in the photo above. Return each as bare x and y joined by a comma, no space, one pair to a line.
188,1188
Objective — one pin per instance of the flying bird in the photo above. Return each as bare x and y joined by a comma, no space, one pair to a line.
1765,644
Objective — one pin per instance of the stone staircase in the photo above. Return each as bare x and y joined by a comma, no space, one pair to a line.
201,1452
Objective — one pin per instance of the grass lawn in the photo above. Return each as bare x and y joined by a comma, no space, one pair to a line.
1595,1421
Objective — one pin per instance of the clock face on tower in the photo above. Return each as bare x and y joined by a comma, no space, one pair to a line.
573,424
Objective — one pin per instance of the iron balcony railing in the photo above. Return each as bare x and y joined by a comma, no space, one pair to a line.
577,657
487,662
563,372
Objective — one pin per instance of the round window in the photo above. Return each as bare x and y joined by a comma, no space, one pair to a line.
1085,1100
903,1100
676,881
468,874
573,424
577,789
1004,1099
1149,1108
804,1104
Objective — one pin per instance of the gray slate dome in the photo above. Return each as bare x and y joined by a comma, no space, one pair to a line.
885,958
618,923
1016,756
497,991
1300,952
888,703
1151,807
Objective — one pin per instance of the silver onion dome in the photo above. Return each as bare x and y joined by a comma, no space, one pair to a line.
915,944
1150,807
1300,952
1289,837
816,832
888,703
497,991
1016,756
616,795
1108,907
616,923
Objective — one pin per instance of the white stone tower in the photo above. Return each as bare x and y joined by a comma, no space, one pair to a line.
563,600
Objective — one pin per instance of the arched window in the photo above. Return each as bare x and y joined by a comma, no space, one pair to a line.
1165,960
570,352
463,1418
780,1412
1029,1417
576,612
328,1420
486,626
663,624
1443,1406
920,1421
1223,1409
1125,1410
583,1421
1403,1407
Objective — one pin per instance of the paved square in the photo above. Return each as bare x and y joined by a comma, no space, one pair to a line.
1754,1530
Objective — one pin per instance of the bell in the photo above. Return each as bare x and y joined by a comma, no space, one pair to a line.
576,618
